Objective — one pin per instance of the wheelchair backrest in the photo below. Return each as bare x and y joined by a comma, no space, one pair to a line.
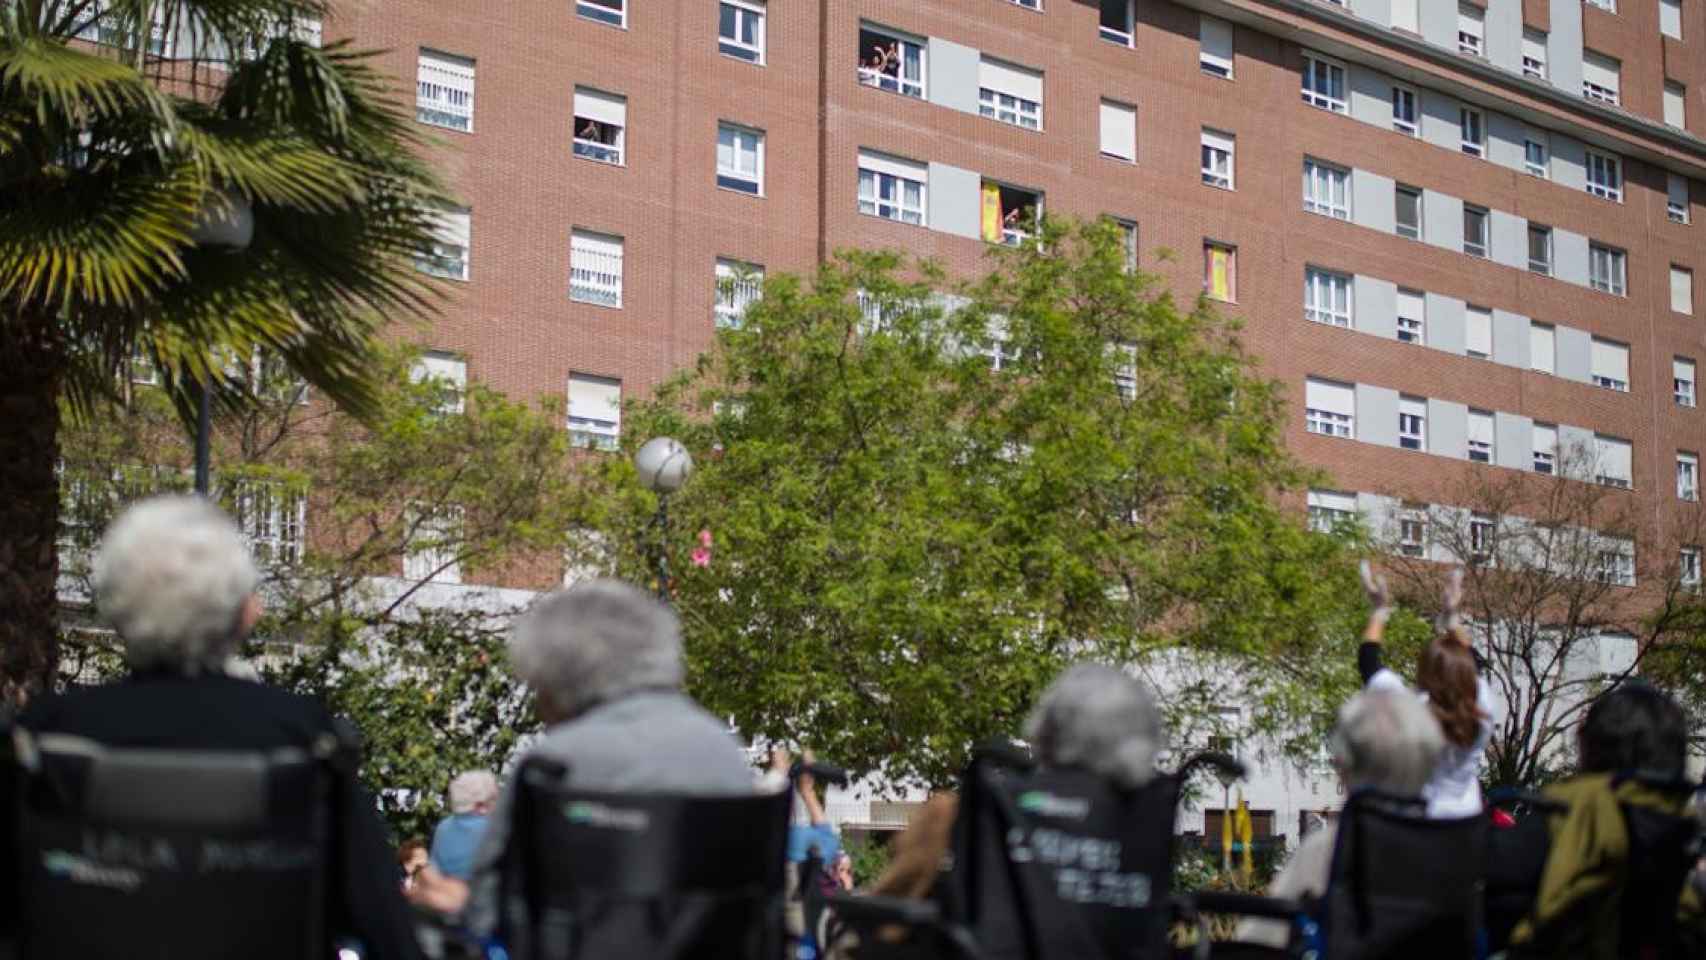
598,875
130,852
1403,885
1061,864
1661,856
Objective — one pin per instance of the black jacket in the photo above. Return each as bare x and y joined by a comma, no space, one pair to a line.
224,713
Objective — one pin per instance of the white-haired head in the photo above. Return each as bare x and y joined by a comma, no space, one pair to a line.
1388,740
1100,719
173,576
473,791
594,642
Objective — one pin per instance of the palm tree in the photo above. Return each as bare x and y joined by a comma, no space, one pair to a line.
126,126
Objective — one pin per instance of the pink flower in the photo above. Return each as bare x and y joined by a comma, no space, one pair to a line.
701,557
705,539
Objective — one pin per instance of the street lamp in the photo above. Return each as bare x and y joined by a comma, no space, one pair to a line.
664,466
227,222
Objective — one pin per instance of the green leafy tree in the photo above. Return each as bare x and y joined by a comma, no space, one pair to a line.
921,499
127,125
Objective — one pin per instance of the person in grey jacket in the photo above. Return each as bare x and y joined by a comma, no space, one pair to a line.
604,662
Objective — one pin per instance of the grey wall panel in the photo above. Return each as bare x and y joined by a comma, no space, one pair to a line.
1372,197
1448,428
1569,256
1442,220
1574,359
953,80
955,201
1569,161
1380,11
1513,441
1376,306
1439,23
1441,126
1504,141
1445,324
1510,339
1564,46
1576,454
1371,96
1377,415
1510,240
1504,34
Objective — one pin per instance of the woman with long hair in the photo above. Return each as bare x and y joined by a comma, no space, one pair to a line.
1455,693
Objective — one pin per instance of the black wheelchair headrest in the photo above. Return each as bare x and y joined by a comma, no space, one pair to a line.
1224,764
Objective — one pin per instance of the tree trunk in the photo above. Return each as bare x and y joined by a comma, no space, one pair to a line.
32,371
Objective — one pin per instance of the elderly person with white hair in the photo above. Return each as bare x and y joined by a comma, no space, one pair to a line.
176,581
473,794
604,662
1386,739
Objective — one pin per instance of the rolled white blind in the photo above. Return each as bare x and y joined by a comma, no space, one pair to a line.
1681,290
1008,78
1614,456
1533,47
1119,130
1333,500
1413,407
601,107
1469,20
1478,330
1670,18
1600,70
1216,139
1480,427
454,227
439,366
594,398
1331,397
894,166
1411,305
1610,360
1673,105
1542,346
1545,438
1682,369
596,243
1216,37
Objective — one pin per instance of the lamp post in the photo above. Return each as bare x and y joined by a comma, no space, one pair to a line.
663,465
226,222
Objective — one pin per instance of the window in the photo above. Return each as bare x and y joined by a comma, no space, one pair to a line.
433,536
1412,534
1675,103
1536,157
1474,230
1688,567
447,256
740,29
1610,364
1681,289
996,347
444,94
1326,189
738,286
447,374
1412,423
1682,381
1617,562
1010,94
1534,54
1412,314
1472,131
272,517
1119,131
1408,212
1216,56
1128,242
1600,77
1027,4
1610,5
1217,151
1606,268
595,411
891,62
1404,111
595,268
1687,475
1478,332
601,125
740,159
1676,198
1326,297
1545,448
1329,510
1542,347
1329,408
1670,18
1480,436
1612,460
613,12
1010,214
1605,176
1323,83
1540,249
1471,31
892,188
1483,530
1220,271
1116,22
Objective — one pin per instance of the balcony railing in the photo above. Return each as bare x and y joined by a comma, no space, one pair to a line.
596,277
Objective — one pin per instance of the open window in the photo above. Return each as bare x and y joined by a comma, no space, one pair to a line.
600,119
1011,215
1116,21
891,61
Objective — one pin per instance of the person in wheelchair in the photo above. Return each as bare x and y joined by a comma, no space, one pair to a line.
176,581
604,662
1385,739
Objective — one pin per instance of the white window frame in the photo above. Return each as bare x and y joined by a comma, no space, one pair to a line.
879,170
1545,450
1406,115
1412,534
1471,31
1607,375
1613,279
1335,181
588,430
1403,229
444,90
734,47
432,563
734,177
1481,448
1219,158
596,275
1321,284
907,48
1123,37
273,519
1687,476
1000,98
1682,387
1609,6
1688,567
1676,198
1534,144
451,254
1210,30
1467,118
1330,423
1327,510
1328,70
1534,54
739,285
599,11
1604,175
1616,562
1483,537
1412,423
1477,248
1601,442
1412,329
608,109
448,372
1600,91
1541,267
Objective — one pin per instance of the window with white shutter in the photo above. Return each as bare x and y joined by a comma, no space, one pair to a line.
1681,289
1217,158
1326,297
1610,364
1612,459
595,411
1119,131
1687,475
595,268
444,95
1412,423
1682,381
1329,408
447,373
1480,436
1010,94
892,188
1676,99
1676,198
601,125
447,257
1412,316
1601,77
1670,18
740,158
738,286
1542,347
1478,333
1330,509
1545,448
1471,31
1215,36
1534,54
434,538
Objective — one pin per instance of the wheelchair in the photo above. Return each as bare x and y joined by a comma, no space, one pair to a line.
1044,864
187,855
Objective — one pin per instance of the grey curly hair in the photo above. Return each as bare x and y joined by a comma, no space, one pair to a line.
1099,719
594,642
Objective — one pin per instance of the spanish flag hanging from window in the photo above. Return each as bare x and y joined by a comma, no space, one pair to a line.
1220,273
992,213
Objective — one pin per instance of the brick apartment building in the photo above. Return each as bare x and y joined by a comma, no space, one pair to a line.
1457,232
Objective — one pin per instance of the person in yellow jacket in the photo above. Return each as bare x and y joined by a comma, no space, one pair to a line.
1578,911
